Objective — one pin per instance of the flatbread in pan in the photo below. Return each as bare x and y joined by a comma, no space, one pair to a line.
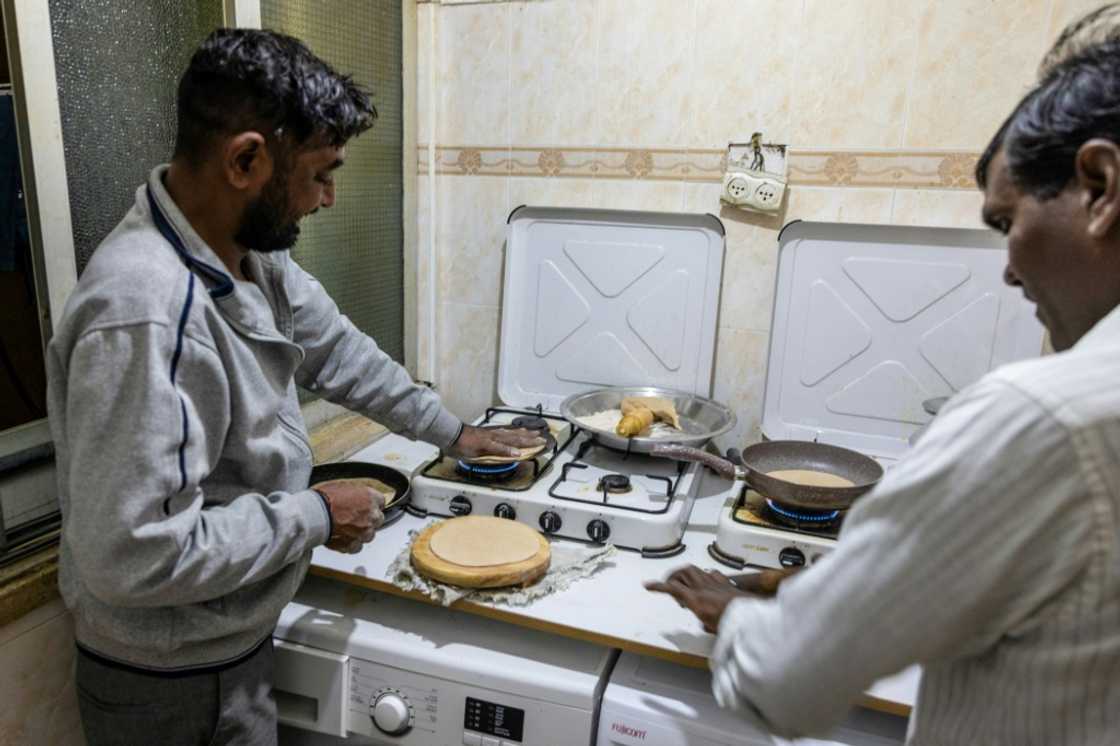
810,478
523,454
388,494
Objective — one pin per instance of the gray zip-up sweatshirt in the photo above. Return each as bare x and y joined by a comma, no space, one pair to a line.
183,460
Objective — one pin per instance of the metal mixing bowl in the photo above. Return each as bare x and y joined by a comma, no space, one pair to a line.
701,419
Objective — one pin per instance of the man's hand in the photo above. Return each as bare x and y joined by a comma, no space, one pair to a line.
706,593
355,515
500,441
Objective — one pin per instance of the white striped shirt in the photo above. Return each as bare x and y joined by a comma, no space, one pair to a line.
990,555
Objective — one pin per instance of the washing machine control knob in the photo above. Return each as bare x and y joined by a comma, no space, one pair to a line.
391,712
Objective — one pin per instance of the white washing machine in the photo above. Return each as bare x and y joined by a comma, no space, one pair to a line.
376,669
361,667
651,702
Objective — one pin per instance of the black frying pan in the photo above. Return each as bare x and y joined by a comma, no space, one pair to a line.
777,455
394,508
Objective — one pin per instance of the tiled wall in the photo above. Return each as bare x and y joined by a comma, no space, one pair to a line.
39,705
631,104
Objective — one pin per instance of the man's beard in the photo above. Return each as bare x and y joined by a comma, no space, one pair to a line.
265,224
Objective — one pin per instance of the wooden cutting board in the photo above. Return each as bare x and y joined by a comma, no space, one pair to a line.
523,573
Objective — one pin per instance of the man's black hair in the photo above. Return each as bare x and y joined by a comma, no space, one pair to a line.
1079,100
249,79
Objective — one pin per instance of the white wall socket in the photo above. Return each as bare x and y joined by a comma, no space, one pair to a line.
753,190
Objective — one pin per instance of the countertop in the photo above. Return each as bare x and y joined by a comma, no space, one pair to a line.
611,608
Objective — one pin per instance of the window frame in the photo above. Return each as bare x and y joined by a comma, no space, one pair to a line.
30,50
247,14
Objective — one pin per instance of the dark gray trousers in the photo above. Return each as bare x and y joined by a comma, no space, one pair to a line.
125,707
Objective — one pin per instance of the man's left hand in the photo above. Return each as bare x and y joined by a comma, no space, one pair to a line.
706,593
474,442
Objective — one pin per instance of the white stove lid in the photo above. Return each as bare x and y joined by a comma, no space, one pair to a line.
596,298
870,321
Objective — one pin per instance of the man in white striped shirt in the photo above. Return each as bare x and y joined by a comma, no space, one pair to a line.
990,555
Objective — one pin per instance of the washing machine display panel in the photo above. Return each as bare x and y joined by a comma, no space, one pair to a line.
494,719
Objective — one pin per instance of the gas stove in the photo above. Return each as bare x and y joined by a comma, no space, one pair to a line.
868,323
577,489
592,299
755,531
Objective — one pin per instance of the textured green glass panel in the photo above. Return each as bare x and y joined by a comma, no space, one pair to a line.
118,64
355,248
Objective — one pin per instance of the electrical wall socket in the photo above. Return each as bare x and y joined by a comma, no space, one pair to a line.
753,190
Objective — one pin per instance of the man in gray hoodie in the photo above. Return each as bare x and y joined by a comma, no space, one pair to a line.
183,459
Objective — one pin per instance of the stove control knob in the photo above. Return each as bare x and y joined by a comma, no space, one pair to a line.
505,510
550,522
391,713
599,531
791,557
460,505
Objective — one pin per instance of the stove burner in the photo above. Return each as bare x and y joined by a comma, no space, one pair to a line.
540,424
491,472
800,517
615,484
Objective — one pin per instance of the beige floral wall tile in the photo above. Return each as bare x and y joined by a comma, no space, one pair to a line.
40,705
702,197
554,162
705,164
943,208
552,192
883,168
855,62
473,74
658,164
749,262
839,205
646,72
960,98
473,161
627,104
746,58
740,378
639,195
646,163
470,235
468,358
553,67
749,271
912,169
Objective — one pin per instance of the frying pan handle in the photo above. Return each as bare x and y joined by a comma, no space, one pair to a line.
720,466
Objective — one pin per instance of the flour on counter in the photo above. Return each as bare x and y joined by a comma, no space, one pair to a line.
608,420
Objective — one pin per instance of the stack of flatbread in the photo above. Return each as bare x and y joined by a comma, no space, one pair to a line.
481,552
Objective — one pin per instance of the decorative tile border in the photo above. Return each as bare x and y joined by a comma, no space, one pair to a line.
902,169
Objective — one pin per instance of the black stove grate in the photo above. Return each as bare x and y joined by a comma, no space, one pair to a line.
499,478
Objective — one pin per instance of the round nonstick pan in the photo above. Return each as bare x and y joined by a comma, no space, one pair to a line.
778,455
394,508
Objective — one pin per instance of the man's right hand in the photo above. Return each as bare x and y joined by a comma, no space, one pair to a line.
706,593
355,515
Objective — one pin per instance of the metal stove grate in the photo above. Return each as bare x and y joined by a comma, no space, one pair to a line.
605,489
